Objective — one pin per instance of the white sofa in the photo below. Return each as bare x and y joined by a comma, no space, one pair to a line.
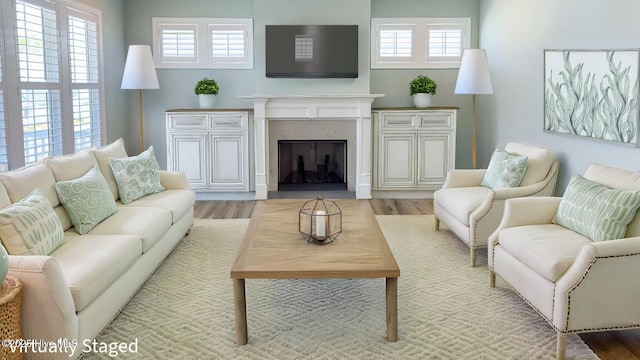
576,284
74,292
473,212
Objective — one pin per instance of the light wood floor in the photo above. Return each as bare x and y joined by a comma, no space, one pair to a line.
612,345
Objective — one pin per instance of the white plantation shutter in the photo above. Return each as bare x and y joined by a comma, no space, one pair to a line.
177,43
54,72
85,80
39,69
225,43
418,43
4,160
396,43
444,43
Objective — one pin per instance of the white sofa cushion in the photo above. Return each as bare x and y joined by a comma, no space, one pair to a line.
149,224
91,263
537,246
179,202
596,211
461,202
30,226
102,154
21,182
137,176
69,167
87,200
504,170
539,161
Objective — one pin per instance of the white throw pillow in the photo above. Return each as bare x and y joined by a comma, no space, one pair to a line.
30,226
504,170
87,200
137,176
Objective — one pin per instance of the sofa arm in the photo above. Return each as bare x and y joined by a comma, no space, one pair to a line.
602,277
464,178
48,310
174,180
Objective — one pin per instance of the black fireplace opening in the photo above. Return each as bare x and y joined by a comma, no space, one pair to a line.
305,165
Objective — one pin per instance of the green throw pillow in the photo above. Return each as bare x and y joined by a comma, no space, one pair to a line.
137,176
596,211
504,170
31,226
87,200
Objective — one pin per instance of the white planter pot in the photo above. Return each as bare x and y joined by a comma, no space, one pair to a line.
421,100
207,101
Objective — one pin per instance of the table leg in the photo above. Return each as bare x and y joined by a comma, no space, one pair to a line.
241,311
392,309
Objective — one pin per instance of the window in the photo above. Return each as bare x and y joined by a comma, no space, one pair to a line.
4,161
418,43
203,43
57,105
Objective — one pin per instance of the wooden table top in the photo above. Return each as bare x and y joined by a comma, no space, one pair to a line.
274,249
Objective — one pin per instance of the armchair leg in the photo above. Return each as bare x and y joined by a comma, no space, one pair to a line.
492,279
472,257
562,346
437,222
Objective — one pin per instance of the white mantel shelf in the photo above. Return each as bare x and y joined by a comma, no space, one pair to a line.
354,107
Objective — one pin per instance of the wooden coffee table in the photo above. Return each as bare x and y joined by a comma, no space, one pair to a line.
274,249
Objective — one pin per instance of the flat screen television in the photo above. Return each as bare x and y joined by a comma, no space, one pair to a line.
312,51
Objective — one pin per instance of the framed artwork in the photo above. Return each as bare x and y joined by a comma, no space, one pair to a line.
592,93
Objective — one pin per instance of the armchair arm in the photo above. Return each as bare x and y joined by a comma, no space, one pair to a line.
535,210
601,288
48,309
529,211
174,180
464,178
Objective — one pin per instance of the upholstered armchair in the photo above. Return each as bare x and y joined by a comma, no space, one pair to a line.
472,212
577,284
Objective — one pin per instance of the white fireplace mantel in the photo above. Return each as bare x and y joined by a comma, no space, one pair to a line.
354,107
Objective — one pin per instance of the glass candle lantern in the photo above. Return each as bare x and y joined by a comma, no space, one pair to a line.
320,221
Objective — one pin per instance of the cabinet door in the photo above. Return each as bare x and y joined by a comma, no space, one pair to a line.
187,153
396,160
434,159
229,162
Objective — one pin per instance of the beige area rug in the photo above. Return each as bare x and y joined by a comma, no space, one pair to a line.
446,308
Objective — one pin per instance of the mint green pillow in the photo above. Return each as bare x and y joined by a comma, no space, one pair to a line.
137,176
31,226
87,200
505,170
596,211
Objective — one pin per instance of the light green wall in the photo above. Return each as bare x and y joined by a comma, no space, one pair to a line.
515,33
176,85
312,12
395,83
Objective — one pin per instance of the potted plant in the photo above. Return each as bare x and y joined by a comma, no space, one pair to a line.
206,89
421,89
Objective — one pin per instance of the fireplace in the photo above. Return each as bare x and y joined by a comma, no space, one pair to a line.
305,165
326,117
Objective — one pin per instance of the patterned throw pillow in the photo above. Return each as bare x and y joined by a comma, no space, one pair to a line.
30,226
596,211
137,176
504,170
87,200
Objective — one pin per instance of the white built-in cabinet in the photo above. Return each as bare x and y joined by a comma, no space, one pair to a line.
413,149
210,147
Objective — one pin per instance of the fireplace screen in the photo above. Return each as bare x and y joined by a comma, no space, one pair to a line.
312,165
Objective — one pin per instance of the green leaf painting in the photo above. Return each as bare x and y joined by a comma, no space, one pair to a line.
592,93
